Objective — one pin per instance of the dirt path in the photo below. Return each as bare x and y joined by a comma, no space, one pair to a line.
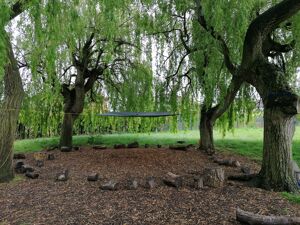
45,201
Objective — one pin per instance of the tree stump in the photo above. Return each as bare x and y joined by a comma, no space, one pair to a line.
214,177
150,183
173,180
198,183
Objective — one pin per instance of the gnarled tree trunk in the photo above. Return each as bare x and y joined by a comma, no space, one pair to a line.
13,96
277,172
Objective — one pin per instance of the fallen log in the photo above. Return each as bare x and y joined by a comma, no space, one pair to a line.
254,219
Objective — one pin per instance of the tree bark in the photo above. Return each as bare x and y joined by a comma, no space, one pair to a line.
66,138
277,170
13,96
206,131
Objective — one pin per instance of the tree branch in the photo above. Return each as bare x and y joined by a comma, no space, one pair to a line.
210,29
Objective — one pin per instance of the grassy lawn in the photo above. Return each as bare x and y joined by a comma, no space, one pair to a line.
244,141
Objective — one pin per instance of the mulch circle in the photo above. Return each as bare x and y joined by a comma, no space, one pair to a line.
78,201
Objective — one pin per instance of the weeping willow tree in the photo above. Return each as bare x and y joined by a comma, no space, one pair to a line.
197,63
254,28
11,99
92,45
262,68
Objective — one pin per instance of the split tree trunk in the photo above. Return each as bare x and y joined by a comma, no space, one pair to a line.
13,96
277,171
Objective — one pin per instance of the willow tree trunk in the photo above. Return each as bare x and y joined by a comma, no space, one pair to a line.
277,170
280,107
206,131
9,113
66,138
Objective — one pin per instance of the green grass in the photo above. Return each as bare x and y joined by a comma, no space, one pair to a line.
292,197
244,141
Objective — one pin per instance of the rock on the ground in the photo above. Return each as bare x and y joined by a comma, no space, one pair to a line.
150,183
19,156
214,177
65,149
64,176
99,147
133,145
93,177
51,156
178,147
32,175
119,146
109,186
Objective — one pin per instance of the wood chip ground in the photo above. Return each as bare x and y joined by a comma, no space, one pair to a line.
45,202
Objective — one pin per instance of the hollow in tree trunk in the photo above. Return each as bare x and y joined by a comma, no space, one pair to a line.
9,113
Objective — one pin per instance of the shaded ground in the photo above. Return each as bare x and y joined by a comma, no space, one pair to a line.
45,201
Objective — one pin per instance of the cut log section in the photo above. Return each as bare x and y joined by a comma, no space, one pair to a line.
179,147
214,177
19,156
173,180
133,145
255,219
109,186
93,177
119,146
